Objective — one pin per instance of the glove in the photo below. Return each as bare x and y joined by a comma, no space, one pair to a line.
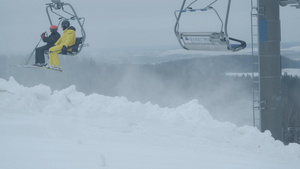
43,35
64,50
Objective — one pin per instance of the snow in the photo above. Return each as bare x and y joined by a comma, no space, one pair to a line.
291,72
292,49
288,71
41,128
246,51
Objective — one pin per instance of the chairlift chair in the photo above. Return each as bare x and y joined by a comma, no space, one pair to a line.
56,6
207,41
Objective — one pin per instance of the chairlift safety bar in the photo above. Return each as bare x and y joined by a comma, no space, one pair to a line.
294,3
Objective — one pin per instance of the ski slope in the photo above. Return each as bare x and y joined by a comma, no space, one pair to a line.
45,129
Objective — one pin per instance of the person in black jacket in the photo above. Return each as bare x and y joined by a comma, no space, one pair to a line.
50,40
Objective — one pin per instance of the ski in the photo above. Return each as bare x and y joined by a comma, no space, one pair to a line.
58,69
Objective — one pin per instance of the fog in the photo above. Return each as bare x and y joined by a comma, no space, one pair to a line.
126,39
114,25
168,84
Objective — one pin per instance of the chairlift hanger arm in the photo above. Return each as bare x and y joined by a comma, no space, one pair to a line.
209,5
188,8
63,9
176,27
190,4
227,17
206,40
74,15
47,10
58,5
60,16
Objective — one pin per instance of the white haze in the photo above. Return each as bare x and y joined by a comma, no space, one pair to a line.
42,128
47,124
132,28
123,25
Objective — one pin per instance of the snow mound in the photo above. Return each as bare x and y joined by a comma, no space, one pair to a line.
70,117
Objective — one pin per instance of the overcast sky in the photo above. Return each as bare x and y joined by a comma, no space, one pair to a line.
116,24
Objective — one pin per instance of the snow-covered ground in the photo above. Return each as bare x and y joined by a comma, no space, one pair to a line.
289,71
45,129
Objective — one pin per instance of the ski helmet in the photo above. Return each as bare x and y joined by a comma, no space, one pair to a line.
53,28
65,24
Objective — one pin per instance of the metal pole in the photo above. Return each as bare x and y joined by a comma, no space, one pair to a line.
270,67
30,56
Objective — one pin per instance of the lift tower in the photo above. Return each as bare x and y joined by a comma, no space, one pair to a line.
270,67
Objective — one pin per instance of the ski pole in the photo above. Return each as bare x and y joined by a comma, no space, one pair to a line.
27,61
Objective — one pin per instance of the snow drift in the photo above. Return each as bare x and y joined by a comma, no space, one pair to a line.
41,128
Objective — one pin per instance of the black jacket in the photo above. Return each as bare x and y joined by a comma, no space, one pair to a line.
50,40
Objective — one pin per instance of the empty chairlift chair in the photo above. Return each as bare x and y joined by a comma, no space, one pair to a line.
207,41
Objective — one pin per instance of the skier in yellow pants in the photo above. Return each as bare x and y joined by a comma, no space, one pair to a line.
68,38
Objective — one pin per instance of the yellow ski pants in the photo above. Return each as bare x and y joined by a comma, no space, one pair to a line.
53,55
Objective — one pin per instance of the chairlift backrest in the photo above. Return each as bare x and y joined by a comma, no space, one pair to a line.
209,41
75,47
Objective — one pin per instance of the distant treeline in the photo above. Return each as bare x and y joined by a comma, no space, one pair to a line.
291,108
228,98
